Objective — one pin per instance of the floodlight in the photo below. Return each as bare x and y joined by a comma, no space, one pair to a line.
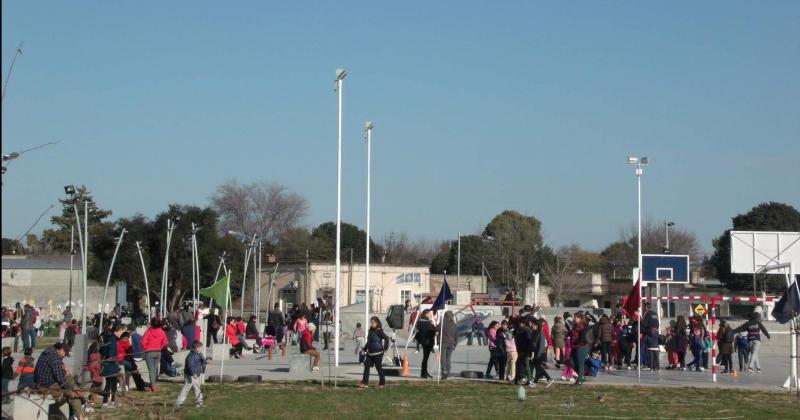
670,223
340,74
632,160
69,189
644,160
369,125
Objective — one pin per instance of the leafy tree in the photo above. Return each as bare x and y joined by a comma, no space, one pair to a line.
771,216
514,246
441,261
352,237
473,255
13,247
58,239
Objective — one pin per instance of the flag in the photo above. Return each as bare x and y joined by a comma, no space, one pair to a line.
444,296
634,298
217,291
788,306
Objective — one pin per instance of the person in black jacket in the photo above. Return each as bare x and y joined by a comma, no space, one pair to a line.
426,337
377,343
523,337
539,353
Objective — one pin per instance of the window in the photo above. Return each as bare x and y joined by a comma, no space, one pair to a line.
406,295
409,278
359,295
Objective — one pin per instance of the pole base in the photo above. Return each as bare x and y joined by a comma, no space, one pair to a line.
788,383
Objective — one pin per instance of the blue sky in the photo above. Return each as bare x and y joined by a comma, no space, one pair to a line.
478,106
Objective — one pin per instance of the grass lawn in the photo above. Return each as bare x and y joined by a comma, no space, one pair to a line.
457,399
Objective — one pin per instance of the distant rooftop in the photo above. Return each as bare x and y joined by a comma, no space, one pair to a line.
52,262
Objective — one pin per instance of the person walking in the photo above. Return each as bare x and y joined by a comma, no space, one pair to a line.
754,329
194,368
426,337
725,338
524,343
110,366
153,341
377,343
539,353
681,342
448,342
557,334
491,333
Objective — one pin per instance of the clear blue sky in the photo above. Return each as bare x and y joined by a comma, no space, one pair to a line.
478,106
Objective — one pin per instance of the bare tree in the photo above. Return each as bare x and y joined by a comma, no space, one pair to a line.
266,209
564,277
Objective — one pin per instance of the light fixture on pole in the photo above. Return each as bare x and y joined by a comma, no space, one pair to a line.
146,284
667,225
368,128
71,191
340,75
108,278
165,273
640,163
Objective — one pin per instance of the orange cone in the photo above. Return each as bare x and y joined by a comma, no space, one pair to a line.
735,374
405,371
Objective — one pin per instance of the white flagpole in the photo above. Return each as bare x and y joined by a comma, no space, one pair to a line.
639,334
441,332
225,320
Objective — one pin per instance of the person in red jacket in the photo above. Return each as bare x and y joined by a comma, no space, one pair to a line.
231,332
307,345
153,341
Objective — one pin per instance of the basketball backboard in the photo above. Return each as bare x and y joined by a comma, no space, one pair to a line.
665,268
752,251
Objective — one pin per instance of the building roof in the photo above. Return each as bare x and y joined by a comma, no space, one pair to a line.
55,262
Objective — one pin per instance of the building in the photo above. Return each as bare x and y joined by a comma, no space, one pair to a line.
45,281
389,285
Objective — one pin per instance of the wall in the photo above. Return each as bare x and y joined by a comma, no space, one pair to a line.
49,288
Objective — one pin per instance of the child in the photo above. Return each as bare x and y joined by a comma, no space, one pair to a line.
706,348
8,373
25,370
361,341
195,367
741,348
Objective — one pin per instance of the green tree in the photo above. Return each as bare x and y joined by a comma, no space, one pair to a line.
352,237
473,254
514,246
13,247
771,216
58,239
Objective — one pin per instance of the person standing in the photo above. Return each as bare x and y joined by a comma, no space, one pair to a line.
28,330
110,366
500,351
557,334
8,374
25,370
742,350
214,324
195,367
153,342
681,342
524,343
377,342
725,337
448,342
426,337
580,347
491,332
511,352
539,353
276,320
606,338
187,325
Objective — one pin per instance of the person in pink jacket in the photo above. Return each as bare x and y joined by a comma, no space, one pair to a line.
153,341
511,354
300,325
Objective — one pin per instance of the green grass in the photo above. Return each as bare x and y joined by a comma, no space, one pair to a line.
457,399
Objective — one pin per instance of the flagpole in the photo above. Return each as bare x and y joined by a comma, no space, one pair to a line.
441,333
225,318
639,331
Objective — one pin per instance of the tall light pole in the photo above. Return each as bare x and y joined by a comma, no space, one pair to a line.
458,265
340,75
369,126
640,163
108,278
165,273
70,190
146,284
71,260
667,225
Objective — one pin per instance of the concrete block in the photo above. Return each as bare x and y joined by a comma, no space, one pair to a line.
300,363
38,407
79,353
220,351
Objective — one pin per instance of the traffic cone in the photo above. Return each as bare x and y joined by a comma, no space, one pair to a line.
735,374
405,371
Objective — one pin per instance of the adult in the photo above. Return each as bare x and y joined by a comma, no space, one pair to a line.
276,320
213,324
28,329
251,329
580,347
681,341
307,346
67,314
232,334
448,342
524,343
539,353
153,342
754,328
52,377
557,334
187,325
491,332
377,343
606,338
426,337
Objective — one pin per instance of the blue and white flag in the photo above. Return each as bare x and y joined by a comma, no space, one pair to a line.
444,296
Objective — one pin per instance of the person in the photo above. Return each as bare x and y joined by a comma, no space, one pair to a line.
137,353
680,342
511,351
448,342
377,343
231,333
327,330
652,345
426,337
478,331
125,354
28,330
407,306
754,328
276,320
300,323
51,376
187,325
742,350
491,332
696,345
251,330
307,345
194,368
25,370
557,334
8,373
725,338
110,366
67,313
606,338
580,347
241,329
38,323
213,325
539,353
545,328
361,341
501,353
153,342
524,344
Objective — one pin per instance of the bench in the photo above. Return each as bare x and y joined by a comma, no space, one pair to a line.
300,363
